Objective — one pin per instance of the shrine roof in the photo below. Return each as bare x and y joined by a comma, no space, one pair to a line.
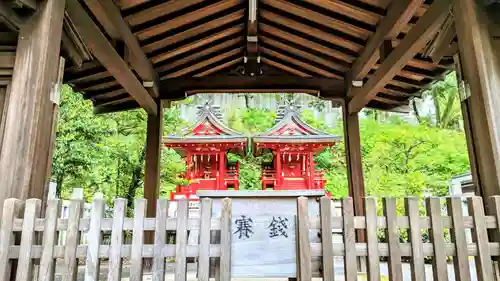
209,128
290,128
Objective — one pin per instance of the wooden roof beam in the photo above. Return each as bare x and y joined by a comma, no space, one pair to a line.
252,59
10,17
398,15
107,55
112,15
412,43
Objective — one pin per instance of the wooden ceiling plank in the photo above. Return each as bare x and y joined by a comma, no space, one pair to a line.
388,101
109,102
100,86
303,54
202,64
284,67
93,77
109,58
182,20
320,34
299,63
370,54
199,43
163,9
348,10
126,4
319,18
306,43
198,55
413,42
95,96
219,67
101,15
443,46
138,60
69,47
402,23
199,29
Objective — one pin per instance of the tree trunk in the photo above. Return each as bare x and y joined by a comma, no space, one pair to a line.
136,179
59,183
417,113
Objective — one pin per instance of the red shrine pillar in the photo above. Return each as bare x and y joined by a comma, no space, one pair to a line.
311,171
278,168
222,170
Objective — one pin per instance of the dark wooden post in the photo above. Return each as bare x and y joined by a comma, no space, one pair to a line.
356,181
4,91
352,144
480,70
153,158
35,73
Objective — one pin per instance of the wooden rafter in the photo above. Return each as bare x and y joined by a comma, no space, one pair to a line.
182,20
138,59
300,64
197,55
106,54
204,41
162,9
412,43
286,68
204,63
306,55
399,13
10,17
195,31
219,67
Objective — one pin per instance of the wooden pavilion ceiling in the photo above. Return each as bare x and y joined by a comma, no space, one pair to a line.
190,46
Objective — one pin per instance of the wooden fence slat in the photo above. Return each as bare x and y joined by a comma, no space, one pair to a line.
204,260
304,248
136,264
415,236
436,236
70,265
158,269
11,210
25,263
47,264
115,260
225,239
326,238
181,240
350,263
461,259
92,261
372,239
484,266
392,236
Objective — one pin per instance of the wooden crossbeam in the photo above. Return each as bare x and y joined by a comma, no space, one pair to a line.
412,43
10,17
109,58
138,59
399,13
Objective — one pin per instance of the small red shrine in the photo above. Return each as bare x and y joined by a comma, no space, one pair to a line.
293,144
205,146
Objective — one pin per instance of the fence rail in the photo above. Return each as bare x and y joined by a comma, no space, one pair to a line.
26,239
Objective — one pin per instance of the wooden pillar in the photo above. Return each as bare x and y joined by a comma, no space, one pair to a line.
480,69
352,145
26,127
153,159
4,92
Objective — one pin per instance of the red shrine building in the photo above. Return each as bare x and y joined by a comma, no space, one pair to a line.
205,146
293,144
